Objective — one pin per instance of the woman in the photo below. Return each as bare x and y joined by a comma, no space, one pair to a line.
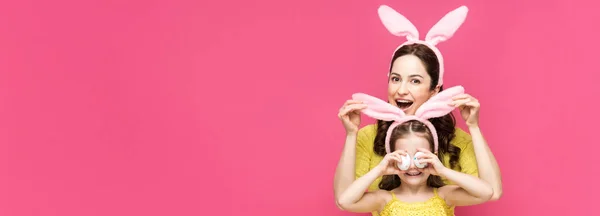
415,75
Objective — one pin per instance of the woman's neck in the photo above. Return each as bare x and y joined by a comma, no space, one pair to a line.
411,189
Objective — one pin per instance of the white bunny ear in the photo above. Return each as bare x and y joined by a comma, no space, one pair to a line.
447,26
397,24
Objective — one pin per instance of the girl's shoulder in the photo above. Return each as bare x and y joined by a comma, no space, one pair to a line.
386,198
445,190
384,194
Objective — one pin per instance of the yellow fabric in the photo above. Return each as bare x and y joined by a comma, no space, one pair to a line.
434,206
366,159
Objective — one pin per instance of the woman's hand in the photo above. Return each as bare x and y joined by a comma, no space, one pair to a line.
389,164
469,108
350,115
434,165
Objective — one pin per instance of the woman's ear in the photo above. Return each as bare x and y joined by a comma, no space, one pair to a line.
435,91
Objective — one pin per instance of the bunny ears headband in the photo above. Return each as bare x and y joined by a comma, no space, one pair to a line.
436,106
443,30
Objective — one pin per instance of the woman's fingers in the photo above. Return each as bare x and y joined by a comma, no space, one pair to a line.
350,108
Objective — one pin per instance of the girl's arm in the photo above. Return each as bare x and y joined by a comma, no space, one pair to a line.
469,190
355,199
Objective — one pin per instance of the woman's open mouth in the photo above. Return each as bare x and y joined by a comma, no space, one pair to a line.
404,104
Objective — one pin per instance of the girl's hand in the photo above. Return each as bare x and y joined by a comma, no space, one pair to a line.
434,165
389,164
469,108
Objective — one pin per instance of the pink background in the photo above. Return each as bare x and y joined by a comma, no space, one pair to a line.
173,107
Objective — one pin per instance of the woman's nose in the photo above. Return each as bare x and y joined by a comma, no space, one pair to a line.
402,89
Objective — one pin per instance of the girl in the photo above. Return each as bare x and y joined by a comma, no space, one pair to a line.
417,189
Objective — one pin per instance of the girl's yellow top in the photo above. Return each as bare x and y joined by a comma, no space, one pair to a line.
434,206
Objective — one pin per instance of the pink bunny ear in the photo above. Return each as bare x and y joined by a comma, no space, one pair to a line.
437,105
447,26
379,109
397,24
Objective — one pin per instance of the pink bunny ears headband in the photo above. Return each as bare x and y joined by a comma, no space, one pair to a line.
436,106
443,30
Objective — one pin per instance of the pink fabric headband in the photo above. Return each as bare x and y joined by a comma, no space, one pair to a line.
436,106
443,30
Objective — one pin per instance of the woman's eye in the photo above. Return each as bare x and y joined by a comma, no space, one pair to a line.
416,81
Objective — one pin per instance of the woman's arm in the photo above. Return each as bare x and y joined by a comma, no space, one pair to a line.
469,190
344,172
361,160
489,170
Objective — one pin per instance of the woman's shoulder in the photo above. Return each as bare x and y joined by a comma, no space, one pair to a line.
467,160
461,139
366,135
369,130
